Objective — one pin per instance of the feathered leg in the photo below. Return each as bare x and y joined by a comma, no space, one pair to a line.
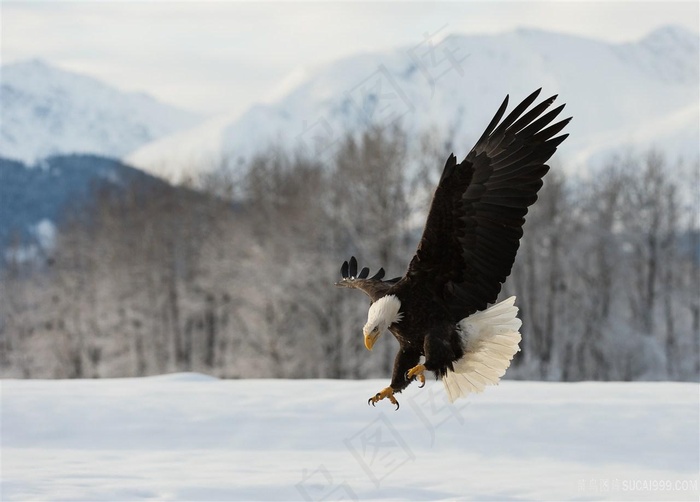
405,359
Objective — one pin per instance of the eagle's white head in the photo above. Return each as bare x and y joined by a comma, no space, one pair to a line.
382,314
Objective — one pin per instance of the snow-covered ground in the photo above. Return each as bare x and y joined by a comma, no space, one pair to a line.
191,437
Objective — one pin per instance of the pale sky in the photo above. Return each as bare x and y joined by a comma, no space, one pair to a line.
218,57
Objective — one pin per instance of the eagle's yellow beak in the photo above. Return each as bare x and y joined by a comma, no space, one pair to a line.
371,337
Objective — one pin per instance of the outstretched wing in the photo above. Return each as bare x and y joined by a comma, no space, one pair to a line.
475,221
374,286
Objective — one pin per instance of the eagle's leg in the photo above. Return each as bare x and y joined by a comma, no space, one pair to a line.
384,393
405,359
417,372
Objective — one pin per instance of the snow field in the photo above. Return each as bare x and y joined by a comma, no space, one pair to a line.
195,438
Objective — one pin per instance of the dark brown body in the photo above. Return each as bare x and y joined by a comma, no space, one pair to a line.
426,329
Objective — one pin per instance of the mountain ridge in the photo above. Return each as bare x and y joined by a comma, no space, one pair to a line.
455,85
35,199
634,95
49,111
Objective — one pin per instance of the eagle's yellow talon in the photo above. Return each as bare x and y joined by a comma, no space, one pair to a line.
385,393
417,372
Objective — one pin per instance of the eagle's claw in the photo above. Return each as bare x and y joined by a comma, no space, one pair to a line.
385,393
417,372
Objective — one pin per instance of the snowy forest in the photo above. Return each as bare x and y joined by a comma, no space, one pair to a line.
232,273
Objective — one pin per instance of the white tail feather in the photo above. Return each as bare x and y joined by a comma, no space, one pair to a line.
490,339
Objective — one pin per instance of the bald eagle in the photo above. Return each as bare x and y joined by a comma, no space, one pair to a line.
439,309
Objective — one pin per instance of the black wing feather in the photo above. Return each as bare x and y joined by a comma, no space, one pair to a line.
374,287
353,267
474,226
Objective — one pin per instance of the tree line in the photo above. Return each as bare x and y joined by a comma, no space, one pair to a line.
232,274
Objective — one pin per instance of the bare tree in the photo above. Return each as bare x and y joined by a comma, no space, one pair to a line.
235,278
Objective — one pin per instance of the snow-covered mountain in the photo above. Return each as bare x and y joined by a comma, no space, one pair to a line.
633,95
48,111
